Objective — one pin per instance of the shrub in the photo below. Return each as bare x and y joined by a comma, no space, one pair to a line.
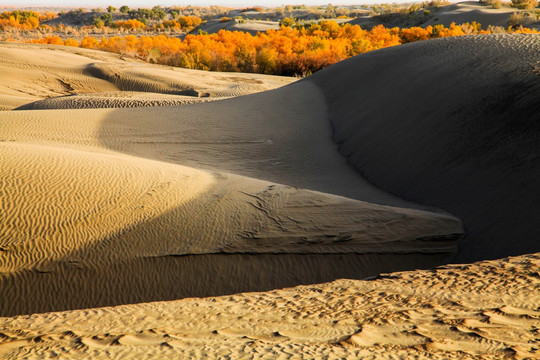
524,4
496,4
98,22
520,19
130,24
287,22
71,42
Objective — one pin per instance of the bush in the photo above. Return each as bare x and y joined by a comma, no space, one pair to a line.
520,19
98,23
287,22
496,4
524,4
225,19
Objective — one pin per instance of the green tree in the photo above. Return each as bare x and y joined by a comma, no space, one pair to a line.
111,9
287,22
124,9
98,22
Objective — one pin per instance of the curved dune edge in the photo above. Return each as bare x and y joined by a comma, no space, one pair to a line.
482,310
451,123
109,223
61,71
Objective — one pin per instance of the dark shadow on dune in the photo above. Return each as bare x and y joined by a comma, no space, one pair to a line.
283,136
452,123
126,83
66,285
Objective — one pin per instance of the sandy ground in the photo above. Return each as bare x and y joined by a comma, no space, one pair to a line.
118,206
485,310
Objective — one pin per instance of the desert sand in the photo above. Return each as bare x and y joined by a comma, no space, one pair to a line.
485,310
401,159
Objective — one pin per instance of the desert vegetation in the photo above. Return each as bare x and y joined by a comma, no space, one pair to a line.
297,50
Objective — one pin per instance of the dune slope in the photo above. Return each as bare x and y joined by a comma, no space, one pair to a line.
451,123
83,229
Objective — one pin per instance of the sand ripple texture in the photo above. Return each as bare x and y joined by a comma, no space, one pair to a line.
100,228
118,99
485,310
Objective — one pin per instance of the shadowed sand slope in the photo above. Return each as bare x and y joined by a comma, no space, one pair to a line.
60,71
452,123
483,310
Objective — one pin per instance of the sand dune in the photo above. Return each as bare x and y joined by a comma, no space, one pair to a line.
483,310
72,215
61,71
470,11
102,207
463,113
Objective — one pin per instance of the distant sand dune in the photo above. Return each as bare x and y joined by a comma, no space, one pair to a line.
249,26
60,71
112,99
469,11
